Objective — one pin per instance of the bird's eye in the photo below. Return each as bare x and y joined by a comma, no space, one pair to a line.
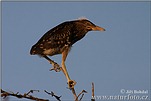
89,28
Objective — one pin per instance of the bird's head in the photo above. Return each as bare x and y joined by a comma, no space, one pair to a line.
89,26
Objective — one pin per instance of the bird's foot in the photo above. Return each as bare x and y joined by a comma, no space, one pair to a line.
71,84
55,67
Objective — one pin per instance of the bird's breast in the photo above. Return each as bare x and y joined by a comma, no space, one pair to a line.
57,50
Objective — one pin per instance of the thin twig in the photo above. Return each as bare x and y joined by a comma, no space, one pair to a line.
31,91
81,97
4,94
93,99
74,94
82,92
53,95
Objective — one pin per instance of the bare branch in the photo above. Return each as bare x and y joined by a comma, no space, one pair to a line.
31,91
82,92
81,97
75,96
4,94
53,95
93,99
74,93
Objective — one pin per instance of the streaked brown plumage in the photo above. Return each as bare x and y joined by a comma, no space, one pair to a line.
60,39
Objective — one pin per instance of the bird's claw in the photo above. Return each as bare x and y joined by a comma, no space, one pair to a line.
55,67
71,84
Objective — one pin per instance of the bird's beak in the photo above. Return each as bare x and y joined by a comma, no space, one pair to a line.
97,28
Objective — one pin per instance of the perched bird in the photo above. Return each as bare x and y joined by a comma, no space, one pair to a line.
60,39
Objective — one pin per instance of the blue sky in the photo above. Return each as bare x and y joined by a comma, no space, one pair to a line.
116,59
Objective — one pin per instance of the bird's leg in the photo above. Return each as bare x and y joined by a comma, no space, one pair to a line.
71,83
56,67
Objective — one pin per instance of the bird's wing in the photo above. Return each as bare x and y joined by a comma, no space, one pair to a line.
56,37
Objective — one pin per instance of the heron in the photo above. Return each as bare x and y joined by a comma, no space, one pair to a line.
60,39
